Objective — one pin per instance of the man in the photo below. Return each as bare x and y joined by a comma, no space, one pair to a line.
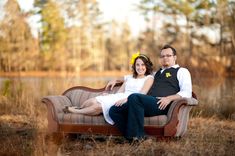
171,82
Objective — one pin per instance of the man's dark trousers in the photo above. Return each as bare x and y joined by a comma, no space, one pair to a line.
129,118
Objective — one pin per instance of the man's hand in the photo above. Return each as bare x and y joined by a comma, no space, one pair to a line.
110,85
163,102
120,102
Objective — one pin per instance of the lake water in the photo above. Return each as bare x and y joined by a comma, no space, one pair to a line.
216,95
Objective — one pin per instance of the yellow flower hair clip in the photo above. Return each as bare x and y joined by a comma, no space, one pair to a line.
134,56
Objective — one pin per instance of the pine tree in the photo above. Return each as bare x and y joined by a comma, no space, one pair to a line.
52,36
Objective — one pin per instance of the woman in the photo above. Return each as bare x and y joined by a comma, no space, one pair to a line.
139,82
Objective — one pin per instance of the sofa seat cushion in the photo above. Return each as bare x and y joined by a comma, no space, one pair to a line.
72,118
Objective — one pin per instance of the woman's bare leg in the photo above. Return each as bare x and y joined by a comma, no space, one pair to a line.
88,103
94,108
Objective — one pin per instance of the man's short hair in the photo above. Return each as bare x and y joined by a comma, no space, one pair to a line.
168,46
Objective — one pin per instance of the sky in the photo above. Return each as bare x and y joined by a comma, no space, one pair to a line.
118,10
122,11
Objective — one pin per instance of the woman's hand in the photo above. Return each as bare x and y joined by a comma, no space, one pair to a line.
110,85
120,102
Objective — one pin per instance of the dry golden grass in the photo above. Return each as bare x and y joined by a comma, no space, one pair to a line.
16,135
205,136
23,125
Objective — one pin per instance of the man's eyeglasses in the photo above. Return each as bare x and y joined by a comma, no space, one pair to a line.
162,56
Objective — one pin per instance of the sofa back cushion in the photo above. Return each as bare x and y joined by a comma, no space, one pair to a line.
80,94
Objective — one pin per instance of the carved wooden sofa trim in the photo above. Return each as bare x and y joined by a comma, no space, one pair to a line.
172,124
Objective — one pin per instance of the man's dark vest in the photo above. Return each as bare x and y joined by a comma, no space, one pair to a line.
165,83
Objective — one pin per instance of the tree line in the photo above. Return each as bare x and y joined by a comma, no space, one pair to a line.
73,35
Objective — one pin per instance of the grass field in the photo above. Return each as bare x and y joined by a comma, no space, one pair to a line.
23,129
205,136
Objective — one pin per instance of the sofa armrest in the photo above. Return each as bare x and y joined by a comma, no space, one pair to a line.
191,101
177,116
79,94
175,106
55,104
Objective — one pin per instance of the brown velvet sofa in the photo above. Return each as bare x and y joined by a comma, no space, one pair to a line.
171,125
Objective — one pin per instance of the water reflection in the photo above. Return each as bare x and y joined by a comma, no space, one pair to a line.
216,97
